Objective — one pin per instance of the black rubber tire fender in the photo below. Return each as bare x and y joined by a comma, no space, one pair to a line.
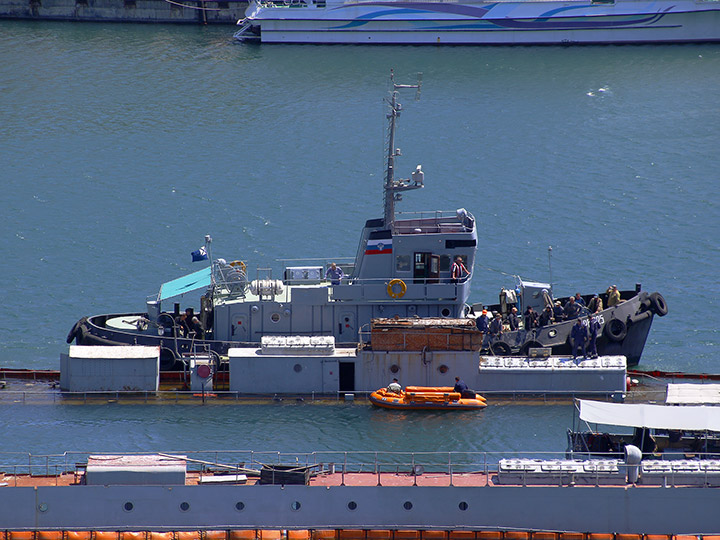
75,329
658,304
615,330
525,349
500,348
167,359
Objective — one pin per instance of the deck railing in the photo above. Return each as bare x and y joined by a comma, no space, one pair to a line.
384,466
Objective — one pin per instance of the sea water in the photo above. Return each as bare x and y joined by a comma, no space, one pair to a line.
121,146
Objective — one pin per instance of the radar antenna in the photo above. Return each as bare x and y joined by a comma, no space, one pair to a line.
394,187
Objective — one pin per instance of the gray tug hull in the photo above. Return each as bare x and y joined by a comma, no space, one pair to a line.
623,332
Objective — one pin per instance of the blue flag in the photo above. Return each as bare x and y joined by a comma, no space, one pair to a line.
199,255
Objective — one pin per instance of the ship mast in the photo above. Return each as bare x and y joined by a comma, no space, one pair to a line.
394,187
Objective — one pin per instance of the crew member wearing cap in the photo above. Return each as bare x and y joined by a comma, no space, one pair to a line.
496,326
613,296
482,322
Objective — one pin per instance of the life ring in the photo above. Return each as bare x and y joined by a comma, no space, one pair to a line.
615,330
241,264
658,304
391,292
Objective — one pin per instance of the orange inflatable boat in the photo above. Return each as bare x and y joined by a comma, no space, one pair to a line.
427,398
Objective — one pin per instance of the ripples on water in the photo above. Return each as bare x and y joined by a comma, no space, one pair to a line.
123,145
283,427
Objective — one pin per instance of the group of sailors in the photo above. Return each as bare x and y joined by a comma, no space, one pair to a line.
188,325
583,336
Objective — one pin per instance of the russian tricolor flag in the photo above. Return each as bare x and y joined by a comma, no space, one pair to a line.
379,246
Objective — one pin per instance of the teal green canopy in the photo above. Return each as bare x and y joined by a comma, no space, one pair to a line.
185,284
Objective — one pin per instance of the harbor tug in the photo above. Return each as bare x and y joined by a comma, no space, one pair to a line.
402,272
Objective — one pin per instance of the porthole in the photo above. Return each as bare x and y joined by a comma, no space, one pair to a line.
128,506
184,506
443,368
352,505
239,506
297,368
552,333
275,317
407,505
394,368
463,506
43,507
295,506
445,312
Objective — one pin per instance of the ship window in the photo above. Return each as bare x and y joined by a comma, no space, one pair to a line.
295,505
128,506
352,505
407,505
184,506
402,263
239,506
445,312
275,317
463,506
443,369
454,244
297,368
445,263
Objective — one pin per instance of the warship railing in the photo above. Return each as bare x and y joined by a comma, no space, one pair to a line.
386,467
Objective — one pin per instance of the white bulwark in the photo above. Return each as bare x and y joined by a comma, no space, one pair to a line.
107,368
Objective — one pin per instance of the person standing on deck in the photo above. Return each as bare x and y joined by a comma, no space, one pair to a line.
496,327
458,270
334,274
593,329
613,296
513,320
578,336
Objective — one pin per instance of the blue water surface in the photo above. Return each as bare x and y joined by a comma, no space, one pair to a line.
123,145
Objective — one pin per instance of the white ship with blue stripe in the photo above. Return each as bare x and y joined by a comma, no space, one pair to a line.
503,22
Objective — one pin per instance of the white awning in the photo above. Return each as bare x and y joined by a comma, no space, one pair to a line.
693,394
690,418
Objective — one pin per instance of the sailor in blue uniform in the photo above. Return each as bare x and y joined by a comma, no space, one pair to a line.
460,385
578,336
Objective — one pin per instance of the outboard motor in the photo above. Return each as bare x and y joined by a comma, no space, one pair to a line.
633,457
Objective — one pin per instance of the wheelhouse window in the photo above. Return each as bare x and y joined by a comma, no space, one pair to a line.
445,263
402,263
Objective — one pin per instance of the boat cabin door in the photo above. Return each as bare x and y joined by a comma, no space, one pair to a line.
240,330
347,329
426,268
